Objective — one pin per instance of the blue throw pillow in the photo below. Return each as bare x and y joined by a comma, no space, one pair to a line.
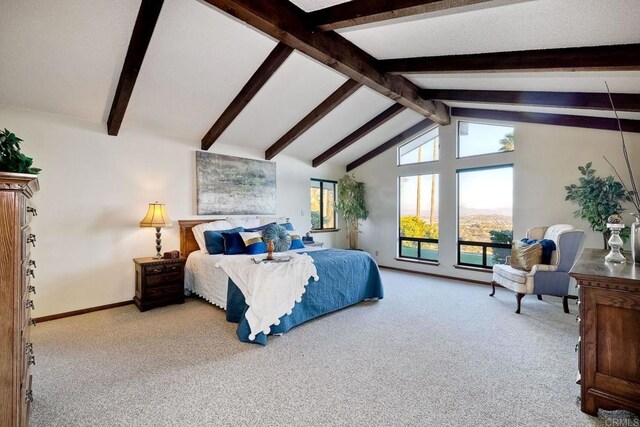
280,237
261,228
214,240
253,242
296,240
287,226
233,244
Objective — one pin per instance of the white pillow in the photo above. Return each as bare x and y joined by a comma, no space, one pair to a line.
270,219
244,221
198,231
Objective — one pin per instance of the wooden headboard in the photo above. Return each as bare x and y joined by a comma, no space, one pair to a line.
188,242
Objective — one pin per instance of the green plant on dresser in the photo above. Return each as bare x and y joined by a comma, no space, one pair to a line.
11,158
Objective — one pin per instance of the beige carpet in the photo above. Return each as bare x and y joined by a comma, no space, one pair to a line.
432,353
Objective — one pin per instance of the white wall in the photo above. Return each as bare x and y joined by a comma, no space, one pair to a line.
95,189
546,159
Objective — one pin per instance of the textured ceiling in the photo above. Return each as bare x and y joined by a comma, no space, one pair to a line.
578,81
196,63
66,59
311,5
358,109
540,24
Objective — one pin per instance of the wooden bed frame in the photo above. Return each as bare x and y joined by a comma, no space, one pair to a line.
188,242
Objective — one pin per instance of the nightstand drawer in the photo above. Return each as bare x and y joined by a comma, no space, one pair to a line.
163,279
173,268
164,291
154,269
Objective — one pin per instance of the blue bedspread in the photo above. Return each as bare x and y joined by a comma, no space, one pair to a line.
346,278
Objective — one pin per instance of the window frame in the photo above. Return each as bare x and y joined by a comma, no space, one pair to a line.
493,153
484,245
430,129
418,240
335,216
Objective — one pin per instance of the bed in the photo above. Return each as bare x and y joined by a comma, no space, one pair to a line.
345,278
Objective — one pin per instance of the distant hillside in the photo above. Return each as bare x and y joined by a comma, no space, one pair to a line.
465,211
476,227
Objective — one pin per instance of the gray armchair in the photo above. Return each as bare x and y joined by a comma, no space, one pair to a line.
552,279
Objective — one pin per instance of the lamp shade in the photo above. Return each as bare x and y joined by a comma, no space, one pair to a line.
156,216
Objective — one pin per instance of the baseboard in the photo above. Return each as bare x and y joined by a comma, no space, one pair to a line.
82,311
440,276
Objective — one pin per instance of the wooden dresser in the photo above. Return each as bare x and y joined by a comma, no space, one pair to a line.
609,343
16,272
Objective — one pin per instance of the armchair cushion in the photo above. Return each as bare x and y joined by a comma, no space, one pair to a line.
511,278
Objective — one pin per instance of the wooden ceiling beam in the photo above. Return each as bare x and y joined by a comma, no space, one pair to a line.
140,38
278,55
410,133
325,107
549,119
593,58
358,12
363,130
287,23
582,100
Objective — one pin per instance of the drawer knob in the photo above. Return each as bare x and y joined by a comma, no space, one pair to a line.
32,211
577,347
32,321
29,396
32,289
28,348
30,305
32,239
578,319
31,272
32,359
32,263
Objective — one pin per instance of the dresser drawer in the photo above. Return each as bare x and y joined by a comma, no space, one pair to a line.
27,212
28,240
26,397
167,290
163,279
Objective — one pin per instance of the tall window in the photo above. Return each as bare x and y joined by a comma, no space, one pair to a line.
479,138
323,200
419,217
485,215
422,149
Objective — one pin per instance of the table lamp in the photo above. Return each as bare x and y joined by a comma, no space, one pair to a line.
156,217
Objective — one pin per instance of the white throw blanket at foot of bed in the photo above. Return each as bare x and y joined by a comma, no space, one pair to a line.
270,290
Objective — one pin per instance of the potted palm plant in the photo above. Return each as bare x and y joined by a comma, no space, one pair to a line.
351,204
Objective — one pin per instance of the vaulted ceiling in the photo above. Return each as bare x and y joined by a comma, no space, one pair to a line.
67,59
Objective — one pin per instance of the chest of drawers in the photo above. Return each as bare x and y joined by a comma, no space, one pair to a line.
17,271
609,343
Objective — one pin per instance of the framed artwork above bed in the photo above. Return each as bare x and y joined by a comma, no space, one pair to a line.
228,185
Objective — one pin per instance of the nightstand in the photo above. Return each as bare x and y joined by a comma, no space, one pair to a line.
158,282
314,244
